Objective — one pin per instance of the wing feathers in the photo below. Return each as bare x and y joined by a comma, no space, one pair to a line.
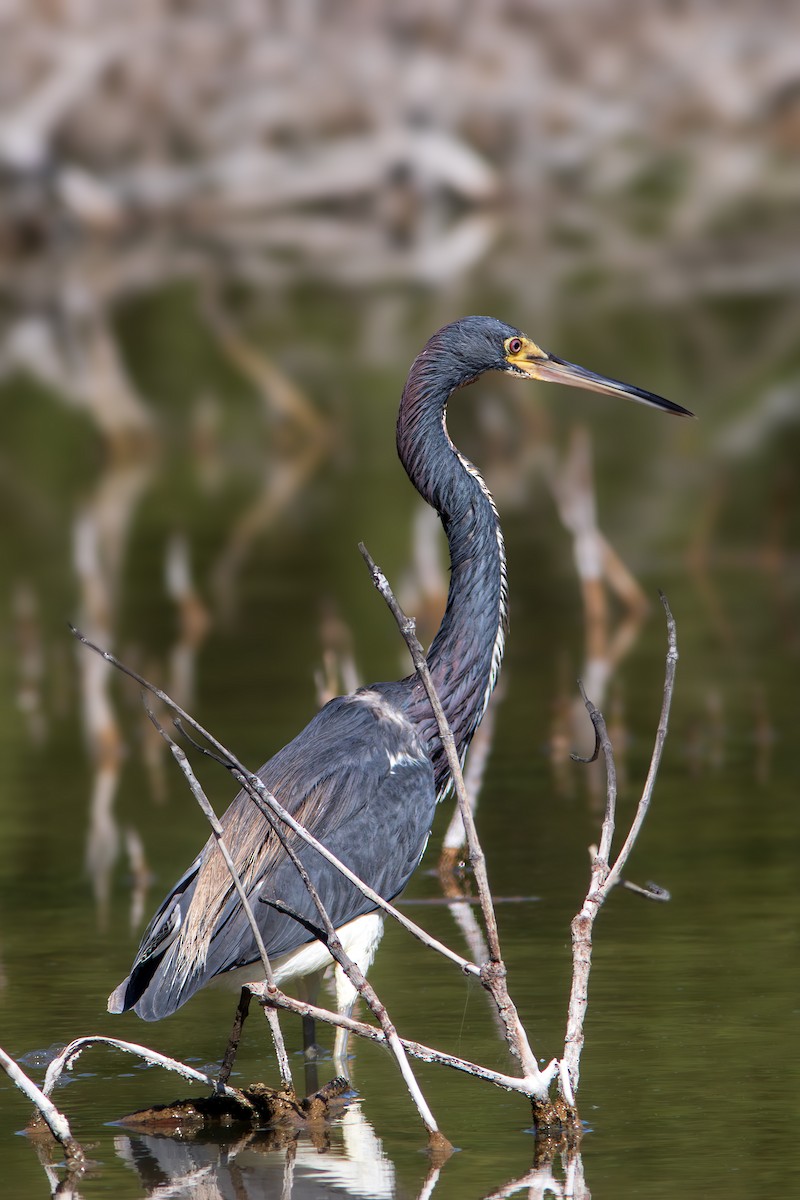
359,780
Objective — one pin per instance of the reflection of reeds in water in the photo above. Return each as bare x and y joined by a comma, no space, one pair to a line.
193,620
85,368
74,353
101,540
741,438
100,534
287,471
423,585
193,625
338,675
30,660
141,877
454,840
600,571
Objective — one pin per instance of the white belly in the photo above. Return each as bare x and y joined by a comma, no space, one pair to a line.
360,938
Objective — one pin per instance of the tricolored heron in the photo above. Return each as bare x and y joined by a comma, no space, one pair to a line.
365,775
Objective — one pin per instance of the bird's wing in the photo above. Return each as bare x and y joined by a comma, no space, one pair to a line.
360,781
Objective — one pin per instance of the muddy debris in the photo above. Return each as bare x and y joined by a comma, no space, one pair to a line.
255,1105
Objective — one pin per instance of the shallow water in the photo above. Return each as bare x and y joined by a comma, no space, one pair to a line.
690,1083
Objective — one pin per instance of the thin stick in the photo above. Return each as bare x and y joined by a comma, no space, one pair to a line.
66,1060
218,831
508,1083
658,748
581,927
604,877
56,1122
493,973
229,1057
602,743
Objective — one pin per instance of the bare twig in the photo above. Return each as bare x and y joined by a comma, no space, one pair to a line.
604,876
226,1066
508,1083
56,1122
658,748
603,744
68,1056
650,891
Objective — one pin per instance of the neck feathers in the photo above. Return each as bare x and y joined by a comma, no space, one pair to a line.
467,651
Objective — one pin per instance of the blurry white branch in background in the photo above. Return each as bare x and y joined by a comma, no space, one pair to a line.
29,128
455,839
371,147
141,876
193,618
600,571
338,675
301,440
100,537
77,358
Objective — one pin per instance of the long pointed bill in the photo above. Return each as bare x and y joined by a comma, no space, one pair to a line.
557,370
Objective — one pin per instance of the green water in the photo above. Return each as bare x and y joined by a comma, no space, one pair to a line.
691,1083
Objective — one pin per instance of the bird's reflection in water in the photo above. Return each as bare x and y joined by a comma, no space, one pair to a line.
346,1158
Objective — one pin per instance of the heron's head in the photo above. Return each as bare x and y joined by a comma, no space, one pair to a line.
480,344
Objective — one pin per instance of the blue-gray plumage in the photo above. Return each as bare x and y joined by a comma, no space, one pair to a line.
365,775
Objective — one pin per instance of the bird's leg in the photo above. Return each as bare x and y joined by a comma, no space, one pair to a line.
310,1050
233,1041
340,1063
346,996
362,945
310,1047
307,989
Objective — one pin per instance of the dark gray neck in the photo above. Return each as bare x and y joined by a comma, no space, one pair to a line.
466,653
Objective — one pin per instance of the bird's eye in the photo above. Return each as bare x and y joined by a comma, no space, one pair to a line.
514,345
